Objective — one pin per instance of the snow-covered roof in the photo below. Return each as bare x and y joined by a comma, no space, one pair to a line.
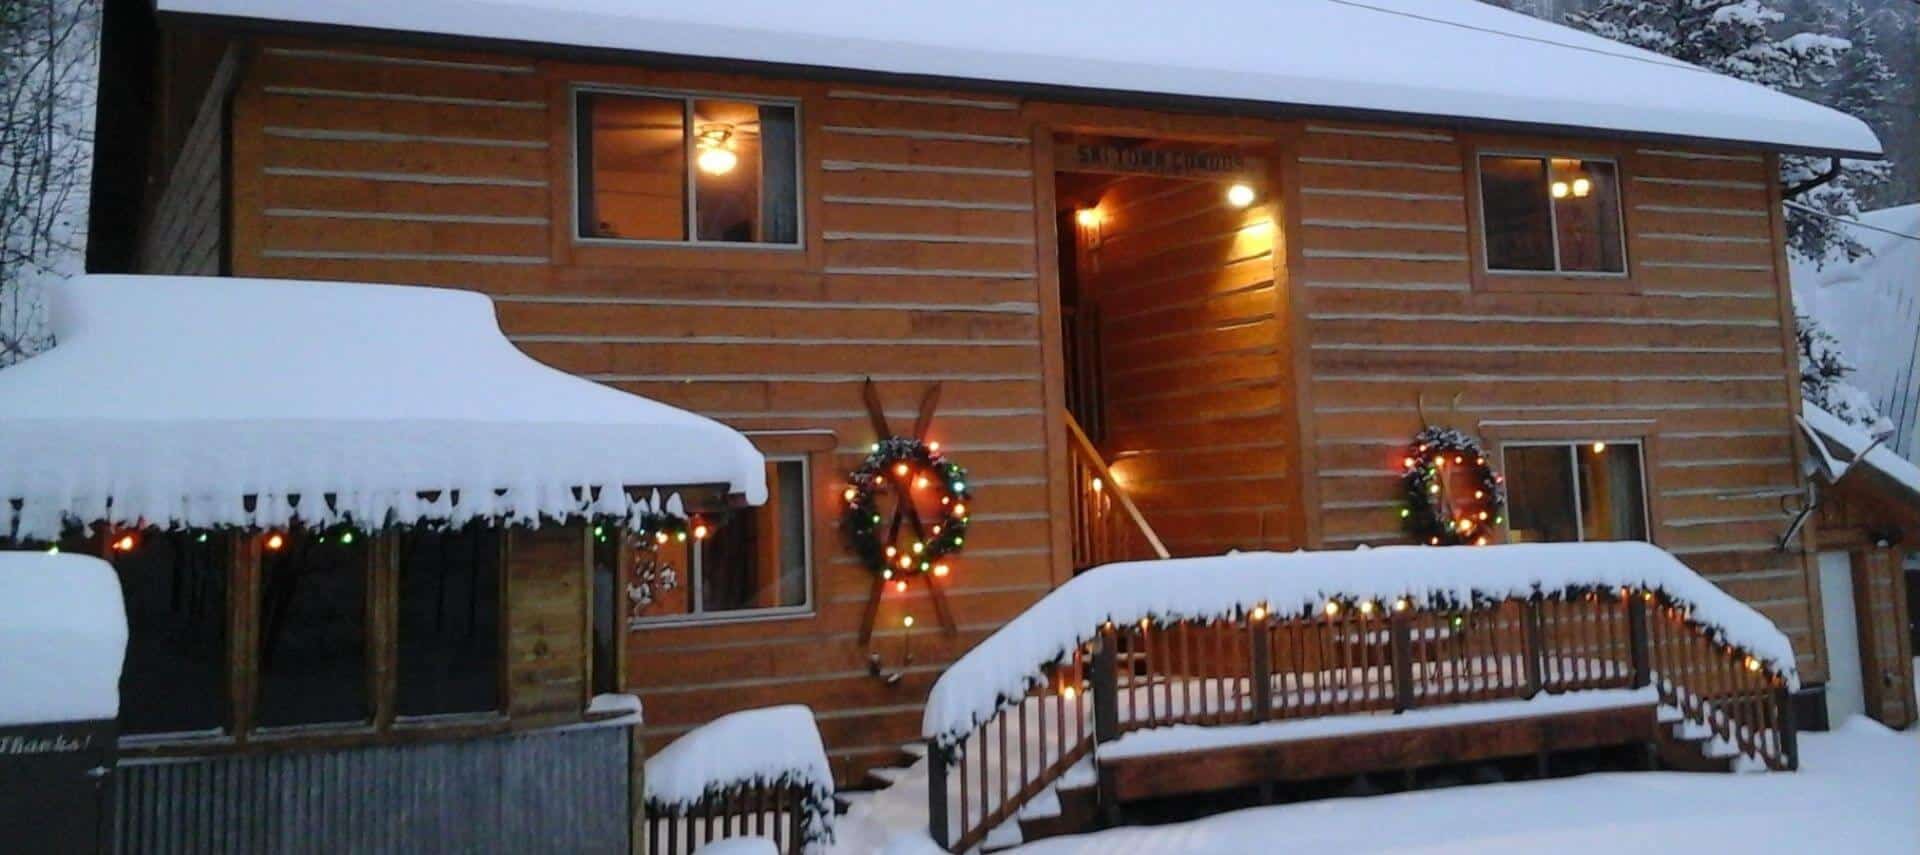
1853,441
1002,666
1872,305
63,638
1428,58
170,400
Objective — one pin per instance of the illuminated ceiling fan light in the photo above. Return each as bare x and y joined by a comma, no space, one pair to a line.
717,161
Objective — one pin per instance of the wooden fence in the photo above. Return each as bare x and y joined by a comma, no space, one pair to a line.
775,812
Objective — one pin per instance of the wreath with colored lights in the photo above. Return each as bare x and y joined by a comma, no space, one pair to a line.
1451,511
900,541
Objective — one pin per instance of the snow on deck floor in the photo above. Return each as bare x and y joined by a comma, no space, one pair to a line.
1167,740
1855,792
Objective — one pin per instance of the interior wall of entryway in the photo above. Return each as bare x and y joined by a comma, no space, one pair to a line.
1846,694
1194,405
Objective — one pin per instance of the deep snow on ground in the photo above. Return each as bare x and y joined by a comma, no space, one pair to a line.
1858,790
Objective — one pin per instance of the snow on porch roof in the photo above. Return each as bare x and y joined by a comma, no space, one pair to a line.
176,397
1455,59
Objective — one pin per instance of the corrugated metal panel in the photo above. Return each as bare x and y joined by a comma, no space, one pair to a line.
550,791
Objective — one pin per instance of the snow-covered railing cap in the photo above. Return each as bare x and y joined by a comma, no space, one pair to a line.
771,747
1009,662
63,638
214,402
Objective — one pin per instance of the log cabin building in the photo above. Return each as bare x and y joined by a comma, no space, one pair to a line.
1187,280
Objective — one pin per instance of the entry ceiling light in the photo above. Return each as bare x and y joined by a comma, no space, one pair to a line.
1240,195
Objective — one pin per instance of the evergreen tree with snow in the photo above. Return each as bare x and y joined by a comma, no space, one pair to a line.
1824,370
1752,40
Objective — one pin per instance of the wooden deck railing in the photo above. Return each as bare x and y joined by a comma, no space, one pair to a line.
777,813
1346,658
1107,527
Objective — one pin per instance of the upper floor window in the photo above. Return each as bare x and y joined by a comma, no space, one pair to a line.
1551,214
1569,492
683,168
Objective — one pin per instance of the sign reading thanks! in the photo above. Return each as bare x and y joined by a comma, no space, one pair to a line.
1164,162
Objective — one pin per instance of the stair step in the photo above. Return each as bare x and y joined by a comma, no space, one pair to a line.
916,750
1006,835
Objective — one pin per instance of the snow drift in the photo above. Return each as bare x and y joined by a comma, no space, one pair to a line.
63,638
172,400
773,746
1004,665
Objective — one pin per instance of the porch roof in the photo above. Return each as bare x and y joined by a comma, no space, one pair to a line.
217,401
1847,446
1457,62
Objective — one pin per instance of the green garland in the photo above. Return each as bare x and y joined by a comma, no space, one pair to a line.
1432,516
905,544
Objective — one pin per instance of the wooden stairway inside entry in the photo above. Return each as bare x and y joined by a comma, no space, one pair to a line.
1107,526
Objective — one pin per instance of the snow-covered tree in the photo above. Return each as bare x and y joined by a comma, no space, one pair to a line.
48,65
1824,370
1754,41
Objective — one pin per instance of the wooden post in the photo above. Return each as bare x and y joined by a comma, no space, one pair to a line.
1789,728
1106,690
1535,651
1401,627
1260,634
937,794
1641,649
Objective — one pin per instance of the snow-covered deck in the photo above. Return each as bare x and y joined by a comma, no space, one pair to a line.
211,402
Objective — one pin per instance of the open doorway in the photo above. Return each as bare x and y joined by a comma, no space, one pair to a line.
1171,324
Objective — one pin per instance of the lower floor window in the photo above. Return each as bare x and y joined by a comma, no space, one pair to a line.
449,631
756,559
175,589
313,630
1569,492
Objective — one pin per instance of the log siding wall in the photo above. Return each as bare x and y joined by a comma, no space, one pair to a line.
918,266
927,257
1688,352
187,231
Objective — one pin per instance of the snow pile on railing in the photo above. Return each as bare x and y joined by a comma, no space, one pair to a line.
210,402
774,747
63,638
1008,662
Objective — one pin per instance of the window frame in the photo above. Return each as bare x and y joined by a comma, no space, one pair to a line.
695,571
1644,445
578,180
1555,280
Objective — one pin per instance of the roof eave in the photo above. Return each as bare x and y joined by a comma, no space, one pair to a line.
1090,95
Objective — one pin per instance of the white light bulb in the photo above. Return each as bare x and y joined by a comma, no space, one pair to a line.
717,161
1240,195
1560,189
1582,186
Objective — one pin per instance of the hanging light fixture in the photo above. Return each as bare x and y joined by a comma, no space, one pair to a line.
1560,189
1582,187
715,143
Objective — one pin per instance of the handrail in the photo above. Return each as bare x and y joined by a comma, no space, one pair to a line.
1096,491
1350,656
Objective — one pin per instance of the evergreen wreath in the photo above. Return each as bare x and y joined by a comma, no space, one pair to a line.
1432,514
915,475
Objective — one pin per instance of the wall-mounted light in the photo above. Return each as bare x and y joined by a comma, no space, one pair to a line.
1240,195
1088,218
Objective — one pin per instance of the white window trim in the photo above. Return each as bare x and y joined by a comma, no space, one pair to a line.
1573,462
686,97
1553,216
695,571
